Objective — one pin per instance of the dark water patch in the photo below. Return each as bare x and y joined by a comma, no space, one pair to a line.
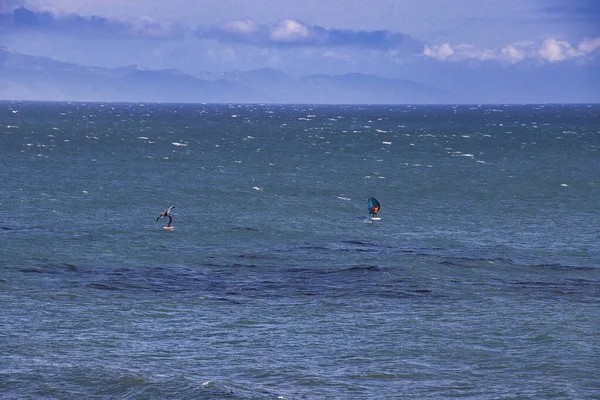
313,248
361,271
354,242
45,266
249,288
372,251
250,256
239,265
535,283
360,268
565,267
101,286
134,285
246,228
221,299
585,291
20,228
474,262
32,270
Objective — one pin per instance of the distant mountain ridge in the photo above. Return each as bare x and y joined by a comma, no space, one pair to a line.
26,77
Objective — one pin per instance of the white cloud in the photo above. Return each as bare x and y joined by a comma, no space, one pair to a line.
292,33
289,30
589,45
240,27
447,52
151,28
465,51
513,53
551,50
338,56
442,52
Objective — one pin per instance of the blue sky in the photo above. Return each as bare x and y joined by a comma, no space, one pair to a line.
410,39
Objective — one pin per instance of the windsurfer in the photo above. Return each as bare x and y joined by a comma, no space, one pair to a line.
374,207
166,213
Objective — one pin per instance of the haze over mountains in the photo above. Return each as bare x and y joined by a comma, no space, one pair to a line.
25,77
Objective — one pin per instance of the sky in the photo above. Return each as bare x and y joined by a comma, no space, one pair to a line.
423,40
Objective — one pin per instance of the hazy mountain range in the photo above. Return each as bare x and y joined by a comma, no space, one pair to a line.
25,77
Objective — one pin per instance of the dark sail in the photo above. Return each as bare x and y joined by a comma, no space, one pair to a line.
374,206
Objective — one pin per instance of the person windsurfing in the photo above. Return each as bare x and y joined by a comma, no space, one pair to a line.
374,207
166,213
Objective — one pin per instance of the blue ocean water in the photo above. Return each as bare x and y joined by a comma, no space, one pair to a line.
482,280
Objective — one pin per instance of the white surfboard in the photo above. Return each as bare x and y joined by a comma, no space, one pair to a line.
375,219
168,228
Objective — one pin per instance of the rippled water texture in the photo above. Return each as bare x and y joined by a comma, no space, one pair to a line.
482,280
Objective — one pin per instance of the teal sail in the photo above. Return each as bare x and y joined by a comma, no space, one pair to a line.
374,206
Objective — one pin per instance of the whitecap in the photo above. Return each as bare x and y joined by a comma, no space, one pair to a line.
386,143
178,144
344,198
257,188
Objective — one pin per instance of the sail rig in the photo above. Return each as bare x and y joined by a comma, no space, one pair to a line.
374,206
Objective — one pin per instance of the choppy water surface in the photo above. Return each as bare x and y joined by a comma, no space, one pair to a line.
482,280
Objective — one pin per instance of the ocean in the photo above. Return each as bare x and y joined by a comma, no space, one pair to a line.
481,281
